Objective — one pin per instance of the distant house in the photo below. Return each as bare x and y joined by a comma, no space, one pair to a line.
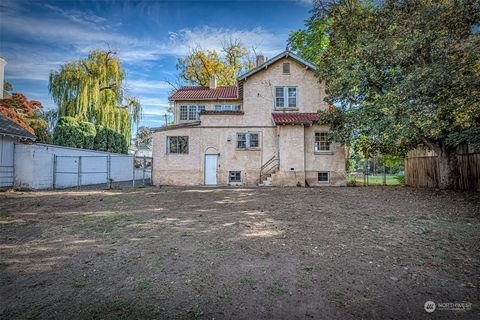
263,131
140,151
10,133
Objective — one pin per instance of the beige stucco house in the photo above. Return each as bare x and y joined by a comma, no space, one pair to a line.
263,131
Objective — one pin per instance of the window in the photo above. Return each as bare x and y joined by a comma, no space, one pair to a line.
321,142
323,176
286,68
235,176
241,140
183,112
227,107
190,112
285,97
292,97
279,98
177,144
248,141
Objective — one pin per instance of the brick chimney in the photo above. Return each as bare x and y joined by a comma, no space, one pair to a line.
2,75
260,59
213,82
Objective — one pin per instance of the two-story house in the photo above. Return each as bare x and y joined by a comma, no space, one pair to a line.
263,131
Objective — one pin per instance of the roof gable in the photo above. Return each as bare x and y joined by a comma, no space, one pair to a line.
271,61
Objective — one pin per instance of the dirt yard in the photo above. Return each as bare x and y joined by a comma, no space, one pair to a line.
230,253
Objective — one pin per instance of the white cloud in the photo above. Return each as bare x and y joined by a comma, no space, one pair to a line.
146,85
87,18
211,38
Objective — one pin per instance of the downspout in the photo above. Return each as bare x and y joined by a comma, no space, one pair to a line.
304,157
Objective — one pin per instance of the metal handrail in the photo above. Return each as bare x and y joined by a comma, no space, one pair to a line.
272,159
267,168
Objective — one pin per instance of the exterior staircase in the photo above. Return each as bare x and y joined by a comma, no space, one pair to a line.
267,171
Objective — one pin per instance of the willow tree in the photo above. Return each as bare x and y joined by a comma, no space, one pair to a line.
92,90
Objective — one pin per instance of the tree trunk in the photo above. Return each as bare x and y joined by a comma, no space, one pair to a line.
448,169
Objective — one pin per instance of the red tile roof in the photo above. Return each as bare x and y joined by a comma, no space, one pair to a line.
294,118
205,93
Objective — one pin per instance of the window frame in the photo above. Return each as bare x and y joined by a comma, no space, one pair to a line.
283,68
286,98
318,150
183,111
323,172
177,138
192,112
228,107
239,172
248,141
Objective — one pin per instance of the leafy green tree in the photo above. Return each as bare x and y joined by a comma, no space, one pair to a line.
404,72
312,41
40,126
92,90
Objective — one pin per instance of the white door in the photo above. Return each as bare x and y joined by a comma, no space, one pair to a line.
211,169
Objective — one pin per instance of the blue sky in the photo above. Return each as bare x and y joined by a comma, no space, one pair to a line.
149,36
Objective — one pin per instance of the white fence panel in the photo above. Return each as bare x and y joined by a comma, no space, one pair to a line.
121,168
66,171
94,170
6,161
41,166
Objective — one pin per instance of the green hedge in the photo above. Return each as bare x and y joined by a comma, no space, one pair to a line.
110,140
70,132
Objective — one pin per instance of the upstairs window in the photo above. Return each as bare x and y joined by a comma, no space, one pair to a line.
285,97
322,144
228,107
183,112
286,68
190,112
177,144
247,141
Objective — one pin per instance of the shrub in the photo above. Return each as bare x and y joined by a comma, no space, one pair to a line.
40,126
89,133
70,132
110,140
67,133
351,182
101,139
400,179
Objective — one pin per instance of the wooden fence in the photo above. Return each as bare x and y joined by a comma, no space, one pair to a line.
422,172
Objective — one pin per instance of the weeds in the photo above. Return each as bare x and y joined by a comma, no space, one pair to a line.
144,285
249,281
277,288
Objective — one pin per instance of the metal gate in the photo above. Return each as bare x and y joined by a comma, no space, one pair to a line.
142,166
107,170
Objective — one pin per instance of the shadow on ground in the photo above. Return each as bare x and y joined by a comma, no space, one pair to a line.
240,253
